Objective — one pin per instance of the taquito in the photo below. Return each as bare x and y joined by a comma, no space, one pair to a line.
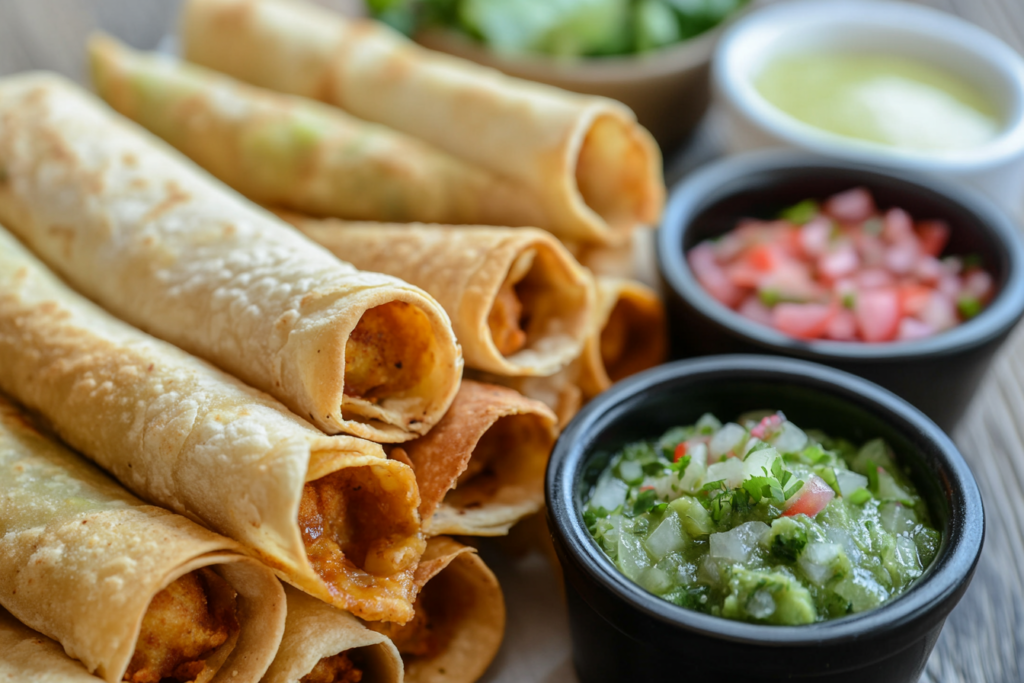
332,515
133,591
144,233
460,617
30,656
519,303
292,152
593,170
323,644
481,469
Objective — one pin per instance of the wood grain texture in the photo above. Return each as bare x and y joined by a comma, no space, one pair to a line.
984,637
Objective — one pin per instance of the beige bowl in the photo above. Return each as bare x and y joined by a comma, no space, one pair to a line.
667,88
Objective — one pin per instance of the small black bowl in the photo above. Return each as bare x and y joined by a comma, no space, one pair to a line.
621,632
940,374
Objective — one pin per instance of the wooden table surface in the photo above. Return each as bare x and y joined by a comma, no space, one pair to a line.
984,637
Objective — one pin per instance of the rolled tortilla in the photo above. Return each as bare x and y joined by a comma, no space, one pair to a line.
481,469
323,644
330,514
291,152
593,169
460,617
518,301
147,235
30,656
133,591
631,335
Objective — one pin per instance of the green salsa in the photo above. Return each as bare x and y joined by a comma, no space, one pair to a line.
760,521
885,99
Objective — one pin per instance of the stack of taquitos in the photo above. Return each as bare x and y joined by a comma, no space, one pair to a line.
593,171
331,514
147,235
131,590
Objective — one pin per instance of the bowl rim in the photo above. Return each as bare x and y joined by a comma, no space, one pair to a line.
692,193
926,22
951,569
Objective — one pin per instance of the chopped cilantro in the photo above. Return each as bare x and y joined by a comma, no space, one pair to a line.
969,306
800,213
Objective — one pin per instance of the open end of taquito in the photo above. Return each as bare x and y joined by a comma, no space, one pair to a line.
394,371
481,468
361,531
631,335
460,617
323,644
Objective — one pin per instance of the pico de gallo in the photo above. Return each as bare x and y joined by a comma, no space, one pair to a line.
758,520
843,270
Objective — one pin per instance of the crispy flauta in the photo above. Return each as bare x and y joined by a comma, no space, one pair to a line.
518,301
149,236
131,590
294,153
593,171
331,514
460,617
481,469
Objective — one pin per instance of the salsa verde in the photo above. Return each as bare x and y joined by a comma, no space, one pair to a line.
760,521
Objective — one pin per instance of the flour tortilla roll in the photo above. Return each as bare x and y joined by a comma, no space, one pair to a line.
481,469
323,644
30,656
631,335
518,301
595,172
460,617
292,152
156,241
133,591
560,392
330,514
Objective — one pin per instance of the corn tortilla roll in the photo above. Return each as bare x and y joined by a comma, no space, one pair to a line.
292,152
30,656
323,644
133,591
330,514
595,172
481,469
518,301
141,231
631,335
460,617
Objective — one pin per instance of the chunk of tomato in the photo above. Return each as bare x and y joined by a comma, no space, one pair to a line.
711,276
806,321
878,314
811,499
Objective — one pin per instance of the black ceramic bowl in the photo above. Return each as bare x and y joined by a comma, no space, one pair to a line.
940,374
621,632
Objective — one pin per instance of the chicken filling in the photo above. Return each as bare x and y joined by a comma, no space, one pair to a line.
385,355
182,627
627,346
612,174
336,669
510,314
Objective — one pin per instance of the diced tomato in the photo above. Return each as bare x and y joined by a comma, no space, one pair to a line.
839,263
753,308
933,236
762,257
852,206
913,298
679,453
871,248
806,321
903,256
897,226
873,278
939,311
929,269
878,314
711,276
767,426
912,328
978,284
814,236
842,327
811,499
647,488
742,274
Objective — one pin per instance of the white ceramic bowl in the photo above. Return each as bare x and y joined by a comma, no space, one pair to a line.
931,36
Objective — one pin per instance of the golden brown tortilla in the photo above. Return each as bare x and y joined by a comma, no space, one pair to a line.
89,565
146,234
460,619
184,435
481,469
291,152
593,171
519,303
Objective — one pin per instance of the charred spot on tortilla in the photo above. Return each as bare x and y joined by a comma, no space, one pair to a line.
184,624
384,355
339,668
352,527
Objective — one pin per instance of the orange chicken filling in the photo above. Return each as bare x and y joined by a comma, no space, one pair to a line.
336,669
183,625
387,353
